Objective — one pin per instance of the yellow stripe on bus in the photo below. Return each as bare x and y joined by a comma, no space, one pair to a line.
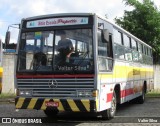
20,102
43,107
73,105
60,107
1,71
128,72
32,103
97,104
86,104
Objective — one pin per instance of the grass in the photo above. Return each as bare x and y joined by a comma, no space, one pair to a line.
7,95
153,93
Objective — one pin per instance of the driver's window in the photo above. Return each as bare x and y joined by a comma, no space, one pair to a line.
105,62
102,47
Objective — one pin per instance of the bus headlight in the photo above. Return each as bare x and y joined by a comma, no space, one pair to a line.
25,92
85,93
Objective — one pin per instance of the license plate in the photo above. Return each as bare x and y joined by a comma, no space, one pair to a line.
52,104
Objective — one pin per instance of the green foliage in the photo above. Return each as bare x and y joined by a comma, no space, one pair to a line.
154,93
143,22
7,95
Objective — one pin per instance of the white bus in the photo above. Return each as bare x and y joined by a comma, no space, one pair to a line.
1,67
108,66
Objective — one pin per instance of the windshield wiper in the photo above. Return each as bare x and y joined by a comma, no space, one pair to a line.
84,56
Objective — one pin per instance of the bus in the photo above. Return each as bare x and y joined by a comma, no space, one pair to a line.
1,68
108,65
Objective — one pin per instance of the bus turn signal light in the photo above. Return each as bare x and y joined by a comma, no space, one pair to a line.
95,93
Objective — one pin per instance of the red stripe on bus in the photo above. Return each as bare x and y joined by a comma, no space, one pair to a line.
124,93
109,97
57,76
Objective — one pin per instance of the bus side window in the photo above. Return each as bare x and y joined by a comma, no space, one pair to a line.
135,51
118,37
127,44
119,51
126,41
140,52
128,54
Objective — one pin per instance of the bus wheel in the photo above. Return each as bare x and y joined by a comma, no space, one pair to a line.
51,112
141,99
110,113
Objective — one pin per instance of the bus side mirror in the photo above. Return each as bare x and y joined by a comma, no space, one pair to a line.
105,36
7,38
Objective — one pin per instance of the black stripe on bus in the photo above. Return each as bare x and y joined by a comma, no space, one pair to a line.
38,104
80,106
92,106
16,100
65,105
26,103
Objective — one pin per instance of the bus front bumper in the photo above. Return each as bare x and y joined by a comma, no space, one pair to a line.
72,105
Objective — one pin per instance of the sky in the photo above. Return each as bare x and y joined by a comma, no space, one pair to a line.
12,11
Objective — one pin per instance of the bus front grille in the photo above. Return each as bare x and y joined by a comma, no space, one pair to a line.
56,87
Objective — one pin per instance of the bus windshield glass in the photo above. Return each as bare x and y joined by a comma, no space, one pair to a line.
58,51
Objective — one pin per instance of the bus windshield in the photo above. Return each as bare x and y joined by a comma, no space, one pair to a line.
57,51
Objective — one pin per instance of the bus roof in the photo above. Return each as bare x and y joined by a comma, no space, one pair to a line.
59,14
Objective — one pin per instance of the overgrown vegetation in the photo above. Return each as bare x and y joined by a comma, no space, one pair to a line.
7,95
154,93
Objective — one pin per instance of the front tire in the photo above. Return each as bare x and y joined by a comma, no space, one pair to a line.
110,113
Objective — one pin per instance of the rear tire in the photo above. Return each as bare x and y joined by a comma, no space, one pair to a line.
110,113
51,112
141,99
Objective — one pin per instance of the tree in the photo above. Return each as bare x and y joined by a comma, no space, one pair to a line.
143,22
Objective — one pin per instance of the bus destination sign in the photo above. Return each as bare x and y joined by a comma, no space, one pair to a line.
57,22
